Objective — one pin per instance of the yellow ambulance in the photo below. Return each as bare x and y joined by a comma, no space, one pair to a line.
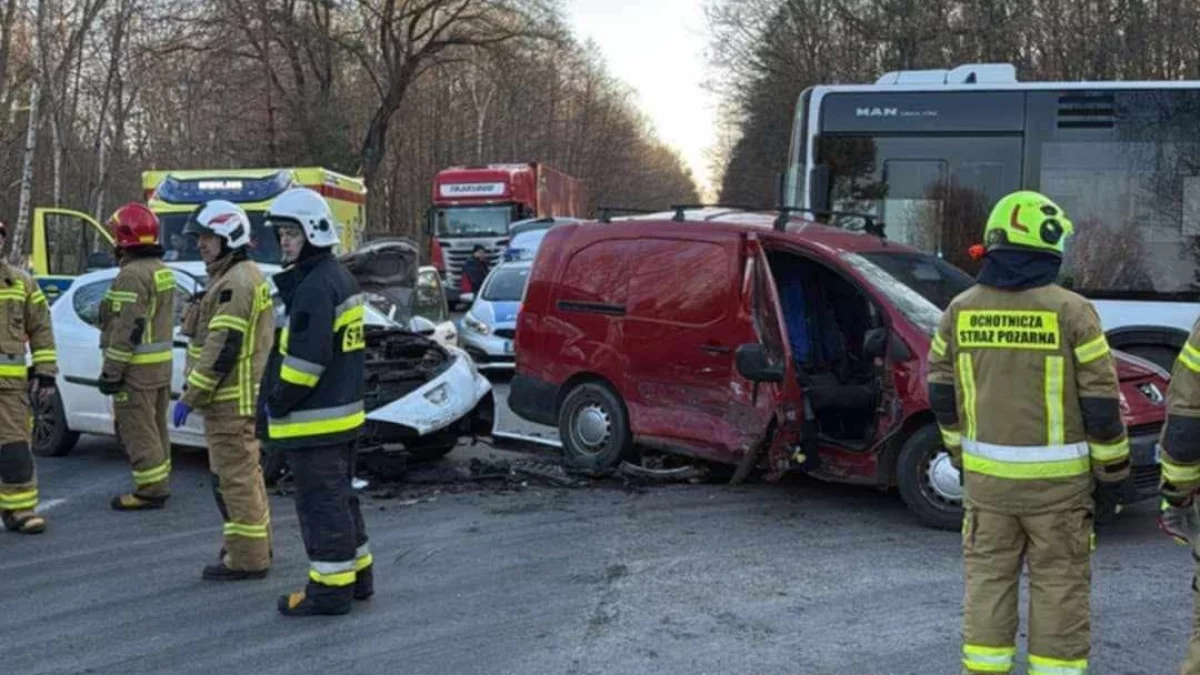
66,243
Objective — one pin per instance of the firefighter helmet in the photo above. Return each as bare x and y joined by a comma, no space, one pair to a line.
222,219
133,225
1029,220
308,210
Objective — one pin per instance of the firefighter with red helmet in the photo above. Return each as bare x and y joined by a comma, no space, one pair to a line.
135,338
23,308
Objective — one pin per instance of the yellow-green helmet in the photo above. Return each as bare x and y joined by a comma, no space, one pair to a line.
1030,220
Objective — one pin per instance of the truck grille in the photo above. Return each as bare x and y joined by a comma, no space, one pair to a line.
455,257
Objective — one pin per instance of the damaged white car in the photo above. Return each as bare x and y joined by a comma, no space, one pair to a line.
421,396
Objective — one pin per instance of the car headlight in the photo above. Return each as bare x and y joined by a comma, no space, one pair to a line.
438,394
476,326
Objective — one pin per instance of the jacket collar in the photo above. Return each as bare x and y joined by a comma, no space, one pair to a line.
287,280
1016,270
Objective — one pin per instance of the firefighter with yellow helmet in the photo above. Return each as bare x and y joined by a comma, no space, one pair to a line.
1024,388
1180,448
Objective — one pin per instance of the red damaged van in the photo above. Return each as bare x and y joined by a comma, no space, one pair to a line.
713,334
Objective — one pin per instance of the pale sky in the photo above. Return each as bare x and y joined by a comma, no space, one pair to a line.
657,47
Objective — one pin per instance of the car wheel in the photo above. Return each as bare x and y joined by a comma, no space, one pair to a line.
594,428
928,482
50,436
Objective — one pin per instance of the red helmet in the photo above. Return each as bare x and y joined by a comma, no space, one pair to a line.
134,225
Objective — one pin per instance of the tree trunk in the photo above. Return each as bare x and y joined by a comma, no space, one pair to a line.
16,251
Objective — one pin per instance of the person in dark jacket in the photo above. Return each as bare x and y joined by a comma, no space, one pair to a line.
313,392
475,269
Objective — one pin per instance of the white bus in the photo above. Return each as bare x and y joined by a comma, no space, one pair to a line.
929,153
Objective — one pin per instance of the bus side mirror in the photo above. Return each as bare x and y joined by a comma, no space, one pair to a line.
818,182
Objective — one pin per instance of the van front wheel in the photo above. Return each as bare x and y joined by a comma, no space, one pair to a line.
594,428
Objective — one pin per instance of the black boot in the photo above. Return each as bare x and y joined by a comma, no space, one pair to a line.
364,583
220,572
298,604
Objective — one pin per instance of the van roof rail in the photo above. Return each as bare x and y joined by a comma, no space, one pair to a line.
680,208
606,212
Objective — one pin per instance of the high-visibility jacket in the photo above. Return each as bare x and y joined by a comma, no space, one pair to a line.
24,317
232,337
1025,390
314,382
1181,434
136,324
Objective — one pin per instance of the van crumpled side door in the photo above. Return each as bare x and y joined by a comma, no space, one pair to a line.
776,403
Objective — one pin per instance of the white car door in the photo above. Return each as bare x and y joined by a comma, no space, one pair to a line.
76,325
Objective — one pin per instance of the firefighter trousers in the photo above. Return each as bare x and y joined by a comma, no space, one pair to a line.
18,475
1057,548
141,421
331,521
1191,662
233,459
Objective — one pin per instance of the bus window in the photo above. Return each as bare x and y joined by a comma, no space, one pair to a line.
1125,165
932,192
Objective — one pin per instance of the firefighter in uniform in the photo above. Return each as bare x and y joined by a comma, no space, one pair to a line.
136,317
231,331
24,310
1025,392
1181,472
314,403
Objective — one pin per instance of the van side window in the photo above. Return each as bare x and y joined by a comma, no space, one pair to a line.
766,315
599,273
683,282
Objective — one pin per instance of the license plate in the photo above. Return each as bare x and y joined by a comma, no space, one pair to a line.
508,347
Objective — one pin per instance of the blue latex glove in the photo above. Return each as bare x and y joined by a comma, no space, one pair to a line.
182,410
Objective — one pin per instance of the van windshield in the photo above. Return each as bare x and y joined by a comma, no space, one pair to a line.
919,285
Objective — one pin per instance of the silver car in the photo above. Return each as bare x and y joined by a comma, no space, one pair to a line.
489,326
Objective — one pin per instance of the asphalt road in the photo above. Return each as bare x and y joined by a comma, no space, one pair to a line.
799,578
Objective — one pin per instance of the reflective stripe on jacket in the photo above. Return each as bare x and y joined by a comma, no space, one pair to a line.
233,334
1025,390
136,321
24,324
314,382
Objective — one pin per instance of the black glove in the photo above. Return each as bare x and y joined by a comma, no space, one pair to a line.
1112,493
46,382
109,387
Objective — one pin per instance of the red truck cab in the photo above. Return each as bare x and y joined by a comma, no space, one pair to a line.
474,206
719,337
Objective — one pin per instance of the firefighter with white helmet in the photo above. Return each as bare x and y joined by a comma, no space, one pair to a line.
314,403
1024,388
231,329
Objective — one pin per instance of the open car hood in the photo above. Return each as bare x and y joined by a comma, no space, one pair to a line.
386,271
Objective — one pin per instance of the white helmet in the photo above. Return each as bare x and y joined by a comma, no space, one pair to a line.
223,219
307,209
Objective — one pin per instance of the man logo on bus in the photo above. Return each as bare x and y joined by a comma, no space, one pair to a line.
876,112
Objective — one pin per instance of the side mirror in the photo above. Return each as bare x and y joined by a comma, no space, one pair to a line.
421,325
875,343
752,364
818,187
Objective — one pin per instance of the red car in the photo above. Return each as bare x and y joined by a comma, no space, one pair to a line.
738,338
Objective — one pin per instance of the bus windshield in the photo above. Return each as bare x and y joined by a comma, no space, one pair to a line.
264,247
1123,163
474,221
